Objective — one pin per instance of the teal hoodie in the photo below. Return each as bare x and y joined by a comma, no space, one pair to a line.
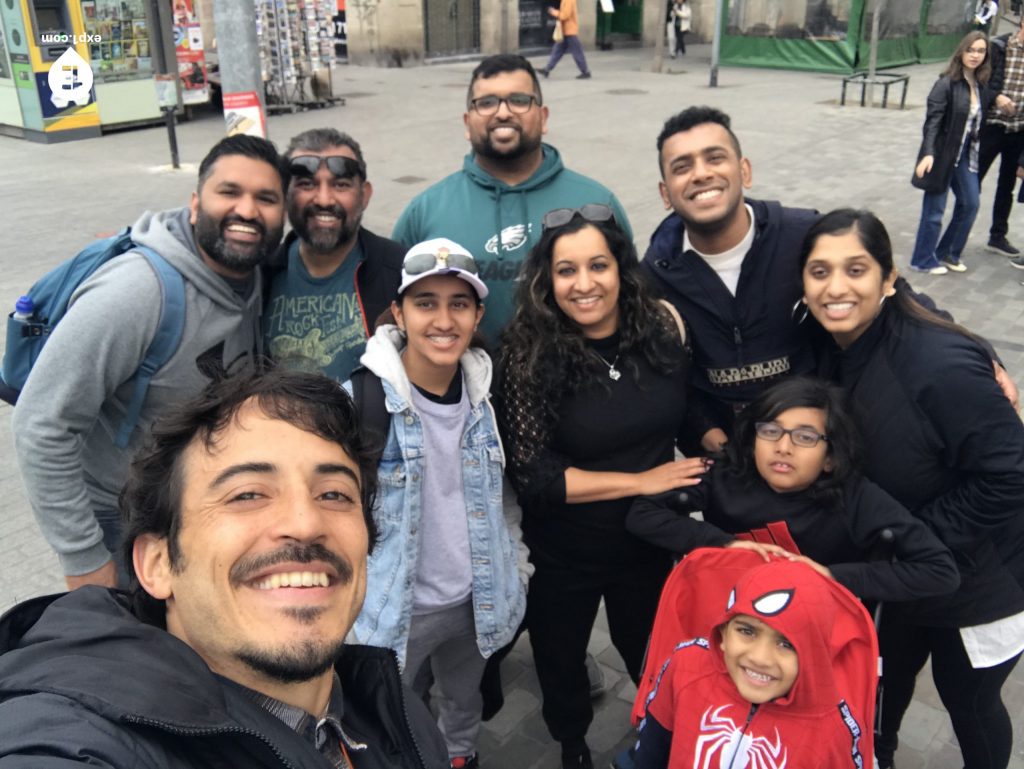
499,223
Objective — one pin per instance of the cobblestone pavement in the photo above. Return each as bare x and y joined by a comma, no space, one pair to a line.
805,150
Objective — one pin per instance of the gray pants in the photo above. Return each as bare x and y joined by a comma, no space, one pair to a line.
446,640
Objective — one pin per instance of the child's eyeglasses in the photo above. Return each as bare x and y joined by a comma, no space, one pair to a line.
804,437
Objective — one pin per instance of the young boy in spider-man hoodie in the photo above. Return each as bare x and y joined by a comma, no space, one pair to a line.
763,691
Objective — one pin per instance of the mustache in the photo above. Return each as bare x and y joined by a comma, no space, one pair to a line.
230,219
313,209
246,568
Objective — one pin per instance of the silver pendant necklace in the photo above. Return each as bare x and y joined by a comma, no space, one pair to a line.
613,373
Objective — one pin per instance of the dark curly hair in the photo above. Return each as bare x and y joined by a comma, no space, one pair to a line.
545,350
844,442
150,502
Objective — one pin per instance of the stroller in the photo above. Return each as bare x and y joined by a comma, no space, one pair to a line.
695,596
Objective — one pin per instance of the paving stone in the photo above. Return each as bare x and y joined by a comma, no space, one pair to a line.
519,704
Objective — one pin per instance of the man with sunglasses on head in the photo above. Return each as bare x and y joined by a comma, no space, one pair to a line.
335,276
70,420
510,179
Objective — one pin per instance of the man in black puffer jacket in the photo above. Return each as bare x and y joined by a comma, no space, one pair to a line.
731,268
247,530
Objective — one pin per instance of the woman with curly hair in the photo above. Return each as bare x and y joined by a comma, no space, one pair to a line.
592,398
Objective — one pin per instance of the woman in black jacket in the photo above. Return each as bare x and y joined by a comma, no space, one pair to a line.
949,157
592,397
942,439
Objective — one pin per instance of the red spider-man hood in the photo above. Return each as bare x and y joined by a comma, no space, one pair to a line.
801,604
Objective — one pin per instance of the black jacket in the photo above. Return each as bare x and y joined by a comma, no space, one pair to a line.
745,343
949,105
82,678
378,276
841,541
943,440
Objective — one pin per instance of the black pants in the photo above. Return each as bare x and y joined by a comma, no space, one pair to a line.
560,612
996,141
971,695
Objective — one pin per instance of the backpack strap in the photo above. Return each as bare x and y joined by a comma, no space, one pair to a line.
374,419
165,342
671,310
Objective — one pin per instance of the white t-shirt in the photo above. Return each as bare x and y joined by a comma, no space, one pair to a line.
728,263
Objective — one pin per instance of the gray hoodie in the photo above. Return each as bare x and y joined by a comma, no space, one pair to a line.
74,400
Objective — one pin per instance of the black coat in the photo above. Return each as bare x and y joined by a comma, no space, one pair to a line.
843,541
942,439
82,678
743,343
949,105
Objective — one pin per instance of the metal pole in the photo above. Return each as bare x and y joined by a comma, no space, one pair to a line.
716,41
238,49
873,54
172,137
161,56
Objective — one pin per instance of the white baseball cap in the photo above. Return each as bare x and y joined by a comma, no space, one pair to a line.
440,256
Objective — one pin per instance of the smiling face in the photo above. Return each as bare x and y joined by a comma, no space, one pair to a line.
273,547
703,178
844,286
761,662
439,315
238,214
585,281
785,466
325,210
505,136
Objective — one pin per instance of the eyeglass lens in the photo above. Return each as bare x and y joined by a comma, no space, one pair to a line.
516,102
801,436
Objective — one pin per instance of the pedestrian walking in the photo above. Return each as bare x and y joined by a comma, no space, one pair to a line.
948,158
566,37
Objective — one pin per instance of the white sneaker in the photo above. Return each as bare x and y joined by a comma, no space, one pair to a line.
940,270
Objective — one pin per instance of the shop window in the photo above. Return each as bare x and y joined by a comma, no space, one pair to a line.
121,49
815,19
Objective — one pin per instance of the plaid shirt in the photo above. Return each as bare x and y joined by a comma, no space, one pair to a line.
1013,87
326,733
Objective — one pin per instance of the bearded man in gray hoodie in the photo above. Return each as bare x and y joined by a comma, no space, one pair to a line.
69,411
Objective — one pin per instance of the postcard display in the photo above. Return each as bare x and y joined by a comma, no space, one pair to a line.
296,41
122,29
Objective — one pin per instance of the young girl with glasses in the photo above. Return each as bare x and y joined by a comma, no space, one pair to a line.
789,485
592,398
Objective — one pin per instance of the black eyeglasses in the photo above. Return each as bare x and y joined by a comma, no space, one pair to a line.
592,212
341,167
804,437
516,102
417,264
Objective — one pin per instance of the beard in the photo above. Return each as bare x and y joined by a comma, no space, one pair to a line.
482,145
321,239
296,663
237,257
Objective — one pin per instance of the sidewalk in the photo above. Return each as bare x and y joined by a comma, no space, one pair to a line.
805,150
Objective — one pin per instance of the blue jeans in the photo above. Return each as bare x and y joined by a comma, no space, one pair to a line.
572,44
929,251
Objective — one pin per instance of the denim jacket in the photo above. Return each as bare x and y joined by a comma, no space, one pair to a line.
500,568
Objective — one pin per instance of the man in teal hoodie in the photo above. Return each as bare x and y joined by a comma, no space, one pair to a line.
509,180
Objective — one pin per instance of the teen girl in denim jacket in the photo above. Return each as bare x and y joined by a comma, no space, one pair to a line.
446,582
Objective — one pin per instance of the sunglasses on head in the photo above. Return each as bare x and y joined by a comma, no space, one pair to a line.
339,166
417,264
591,212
